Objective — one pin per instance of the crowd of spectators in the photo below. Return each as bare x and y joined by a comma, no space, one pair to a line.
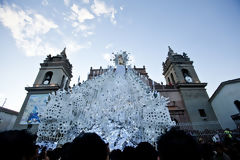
174,144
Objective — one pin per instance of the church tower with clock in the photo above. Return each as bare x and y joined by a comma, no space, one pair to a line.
55,73
178,71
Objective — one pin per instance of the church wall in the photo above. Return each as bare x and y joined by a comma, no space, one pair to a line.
176,105
178,71
37,95
17,124
196,99
56,77
224,107
7,121
167,75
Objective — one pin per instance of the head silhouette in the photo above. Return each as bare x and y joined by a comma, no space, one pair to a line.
17,145
176,144
88,146
145,151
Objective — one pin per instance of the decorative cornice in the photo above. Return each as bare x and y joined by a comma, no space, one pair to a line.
191,85
8,111
42,88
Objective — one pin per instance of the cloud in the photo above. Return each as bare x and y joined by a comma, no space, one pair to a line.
80,14
88,33
108,46
82,27
37,47
86,30
82,19
107,57
131,60
121,8
100,8
73,47
78,17
66,2
85,1
44,2
27,29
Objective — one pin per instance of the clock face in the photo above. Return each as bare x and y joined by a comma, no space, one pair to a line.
188,79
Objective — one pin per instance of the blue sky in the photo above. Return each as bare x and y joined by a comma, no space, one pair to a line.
207,30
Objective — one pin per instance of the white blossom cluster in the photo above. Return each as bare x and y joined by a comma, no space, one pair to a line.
118,105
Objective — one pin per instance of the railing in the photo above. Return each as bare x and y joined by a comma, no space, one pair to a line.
206,134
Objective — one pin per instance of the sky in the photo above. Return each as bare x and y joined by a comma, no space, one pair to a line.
207,30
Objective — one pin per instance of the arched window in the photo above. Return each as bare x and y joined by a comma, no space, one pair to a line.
66,85
237,103
62,82
47,78
185,72
172,78
187,76
169,82
202,113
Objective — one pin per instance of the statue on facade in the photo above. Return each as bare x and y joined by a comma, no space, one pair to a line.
63,53
170,51
121,58
185,55
49,57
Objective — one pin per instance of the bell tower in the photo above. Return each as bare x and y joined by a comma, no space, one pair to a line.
55,73
178,71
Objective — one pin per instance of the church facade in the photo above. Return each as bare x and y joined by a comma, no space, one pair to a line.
189,102
55,73
179,72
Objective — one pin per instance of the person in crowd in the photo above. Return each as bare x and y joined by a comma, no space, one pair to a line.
88,146
205,149
176,144
228,136
55,154
17,145
35,155
65,150
129,153
228,133
219,153
116,154
43,154
145,151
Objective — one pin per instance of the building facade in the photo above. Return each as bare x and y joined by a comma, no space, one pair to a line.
55,73
226,103
7,119
179,71
189,103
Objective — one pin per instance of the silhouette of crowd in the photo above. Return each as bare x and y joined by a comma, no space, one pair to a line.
174,144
